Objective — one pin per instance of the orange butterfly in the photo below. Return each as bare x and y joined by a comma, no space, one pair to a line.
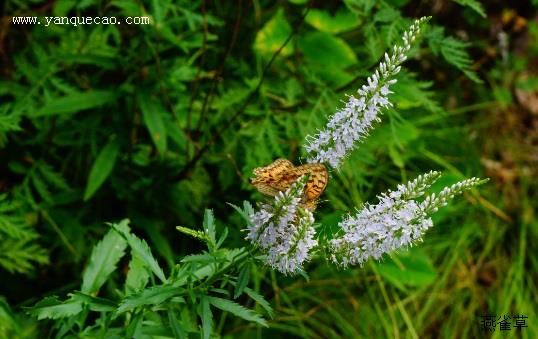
281,174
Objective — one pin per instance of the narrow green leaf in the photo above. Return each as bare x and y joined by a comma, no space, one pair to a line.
150,296
152,113
206,317
175,325
223,237
142,250
52,308
151,330
76,102
260,300
209,226
237,310
242,281
203,259
103,260
134,325
101,168
94,303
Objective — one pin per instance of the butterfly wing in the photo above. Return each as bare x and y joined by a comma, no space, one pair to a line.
268,178
317,182
319,176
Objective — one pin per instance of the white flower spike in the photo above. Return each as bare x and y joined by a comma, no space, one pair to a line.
283,230
353,122
398,220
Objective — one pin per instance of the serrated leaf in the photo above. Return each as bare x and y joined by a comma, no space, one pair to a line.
237,310
52,308
76,102
94,303
474,5
142,250
452,50
260,300
103,260
242,281
455,53
387,14
52,177
41,187
149,296
223,237
243,212
138,275
102,167
153,114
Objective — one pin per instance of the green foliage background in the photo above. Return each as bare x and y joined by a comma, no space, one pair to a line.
157,123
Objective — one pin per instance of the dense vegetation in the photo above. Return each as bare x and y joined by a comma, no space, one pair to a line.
113,135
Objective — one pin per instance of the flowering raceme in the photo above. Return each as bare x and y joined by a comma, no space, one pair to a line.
396,221
283,230
353,122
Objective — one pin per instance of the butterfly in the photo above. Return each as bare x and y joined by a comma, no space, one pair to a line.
281,174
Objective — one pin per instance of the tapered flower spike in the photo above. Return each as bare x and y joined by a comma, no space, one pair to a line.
398,220
283,230
353,122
